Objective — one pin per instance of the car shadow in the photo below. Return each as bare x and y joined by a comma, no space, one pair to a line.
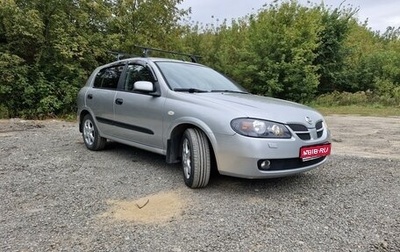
221,181
217,181
137,154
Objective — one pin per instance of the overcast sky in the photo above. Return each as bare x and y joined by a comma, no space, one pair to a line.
380,14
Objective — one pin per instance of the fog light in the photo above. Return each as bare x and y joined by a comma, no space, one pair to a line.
264,164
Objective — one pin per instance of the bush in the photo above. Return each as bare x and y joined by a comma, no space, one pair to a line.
362,98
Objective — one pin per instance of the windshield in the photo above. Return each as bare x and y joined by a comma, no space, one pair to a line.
196,78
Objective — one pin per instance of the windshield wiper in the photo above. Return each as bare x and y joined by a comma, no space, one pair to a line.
229,91
190,90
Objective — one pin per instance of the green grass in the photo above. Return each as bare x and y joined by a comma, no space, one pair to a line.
359,110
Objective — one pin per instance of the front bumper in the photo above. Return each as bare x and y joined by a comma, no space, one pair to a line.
240,156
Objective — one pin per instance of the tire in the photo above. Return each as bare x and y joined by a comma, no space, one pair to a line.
91,136
196,163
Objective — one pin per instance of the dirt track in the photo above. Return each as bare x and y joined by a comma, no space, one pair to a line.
375,137
58,196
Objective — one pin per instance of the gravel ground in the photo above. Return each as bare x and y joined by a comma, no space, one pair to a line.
58,196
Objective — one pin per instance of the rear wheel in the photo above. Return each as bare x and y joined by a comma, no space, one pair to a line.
195,158
90,134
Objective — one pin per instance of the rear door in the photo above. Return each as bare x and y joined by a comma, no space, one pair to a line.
139,115
100,97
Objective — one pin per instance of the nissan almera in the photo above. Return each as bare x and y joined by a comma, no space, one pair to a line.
195,116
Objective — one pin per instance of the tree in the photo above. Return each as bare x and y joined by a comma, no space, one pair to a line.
146,22
332,52
49,47
281,50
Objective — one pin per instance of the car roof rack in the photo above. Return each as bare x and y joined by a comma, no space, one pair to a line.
121,55
147,50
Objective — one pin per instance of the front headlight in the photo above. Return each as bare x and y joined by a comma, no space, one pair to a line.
259,128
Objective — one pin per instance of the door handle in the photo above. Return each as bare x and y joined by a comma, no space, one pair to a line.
119,101
90,96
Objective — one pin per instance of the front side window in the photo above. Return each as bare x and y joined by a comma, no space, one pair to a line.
136,73
108,78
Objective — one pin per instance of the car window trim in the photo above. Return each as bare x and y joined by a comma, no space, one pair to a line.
106,67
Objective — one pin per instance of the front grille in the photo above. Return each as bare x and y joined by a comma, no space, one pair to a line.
303,136
320,129
304,133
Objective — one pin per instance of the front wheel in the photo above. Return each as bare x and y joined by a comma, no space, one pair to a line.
195,158
90,134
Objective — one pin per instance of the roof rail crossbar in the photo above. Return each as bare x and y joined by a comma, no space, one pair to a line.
147,50
121,55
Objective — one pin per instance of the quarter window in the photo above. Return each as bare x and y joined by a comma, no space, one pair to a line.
108,78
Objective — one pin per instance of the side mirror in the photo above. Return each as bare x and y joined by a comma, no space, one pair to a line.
144,86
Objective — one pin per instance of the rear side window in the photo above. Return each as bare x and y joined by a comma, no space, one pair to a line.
108,78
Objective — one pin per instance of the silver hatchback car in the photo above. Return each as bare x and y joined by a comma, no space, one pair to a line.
196,116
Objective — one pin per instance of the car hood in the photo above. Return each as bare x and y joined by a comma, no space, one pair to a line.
248,105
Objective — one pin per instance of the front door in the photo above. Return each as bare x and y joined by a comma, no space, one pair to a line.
138,115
